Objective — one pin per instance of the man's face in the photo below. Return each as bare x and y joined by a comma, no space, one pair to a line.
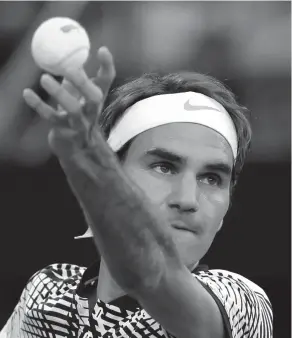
185,170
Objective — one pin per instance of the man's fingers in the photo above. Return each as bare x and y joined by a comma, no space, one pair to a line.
107,72
72,107
92,91
76,87
44,110
84,85
37,104
71,89
69,103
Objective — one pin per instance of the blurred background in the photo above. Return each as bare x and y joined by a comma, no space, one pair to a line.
245,44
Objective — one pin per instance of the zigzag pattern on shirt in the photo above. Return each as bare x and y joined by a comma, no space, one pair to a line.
50,307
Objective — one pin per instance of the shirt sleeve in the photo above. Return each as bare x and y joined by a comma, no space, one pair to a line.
12,326
53,278
245,307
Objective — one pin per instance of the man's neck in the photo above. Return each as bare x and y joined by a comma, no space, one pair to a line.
107,288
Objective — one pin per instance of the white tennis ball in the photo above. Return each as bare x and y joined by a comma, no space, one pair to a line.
60,43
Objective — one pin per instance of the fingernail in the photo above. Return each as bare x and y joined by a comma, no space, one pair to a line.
103,49
25,91
46,78
28,97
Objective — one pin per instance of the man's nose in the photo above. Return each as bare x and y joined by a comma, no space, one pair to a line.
185,194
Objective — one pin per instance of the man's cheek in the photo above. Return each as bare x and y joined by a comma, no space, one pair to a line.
156,190
220,201
151,186
215,207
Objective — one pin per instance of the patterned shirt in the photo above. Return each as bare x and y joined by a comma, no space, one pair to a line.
56,303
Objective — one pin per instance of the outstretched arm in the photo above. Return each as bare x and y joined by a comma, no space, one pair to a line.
129,233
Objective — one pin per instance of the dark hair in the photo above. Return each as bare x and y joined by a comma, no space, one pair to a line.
155,84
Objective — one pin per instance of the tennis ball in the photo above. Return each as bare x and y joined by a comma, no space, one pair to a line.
60,43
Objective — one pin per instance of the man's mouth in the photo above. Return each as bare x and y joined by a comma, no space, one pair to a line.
179,225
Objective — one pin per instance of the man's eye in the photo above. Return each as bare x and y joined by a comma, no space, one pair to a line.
163,168
211,179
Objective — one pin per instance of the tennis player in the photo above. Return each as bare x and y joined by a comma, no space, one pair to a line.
153,172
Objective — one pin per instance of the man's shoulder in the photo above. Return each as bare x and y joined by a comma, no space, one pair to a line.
233,291
61,270
245,306
57,274
229,279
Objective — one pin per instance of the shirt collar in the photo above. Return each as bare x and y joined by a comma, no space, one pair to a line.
90,278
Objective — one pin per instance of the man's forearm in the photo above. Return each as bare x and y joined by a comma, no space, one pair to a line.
131,237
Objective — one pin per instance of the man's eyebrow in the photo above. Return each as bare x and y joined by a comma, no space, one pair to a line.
221,167
165,154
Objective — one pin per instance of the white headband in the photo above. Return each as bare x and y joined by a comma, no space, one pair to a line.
171,108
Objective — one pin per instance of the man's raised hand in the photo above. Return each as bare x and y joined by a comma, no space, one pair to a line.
74,122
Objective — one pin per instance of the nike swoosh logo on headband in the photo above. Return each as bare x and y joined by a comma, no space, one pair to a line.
189,107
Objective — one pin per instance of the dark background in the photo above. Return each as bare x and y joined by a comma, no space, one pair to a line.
245,44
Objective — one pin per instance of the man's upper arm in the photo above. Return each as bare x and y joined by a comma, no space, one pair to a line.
210,304
245,306
32,295
13,324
